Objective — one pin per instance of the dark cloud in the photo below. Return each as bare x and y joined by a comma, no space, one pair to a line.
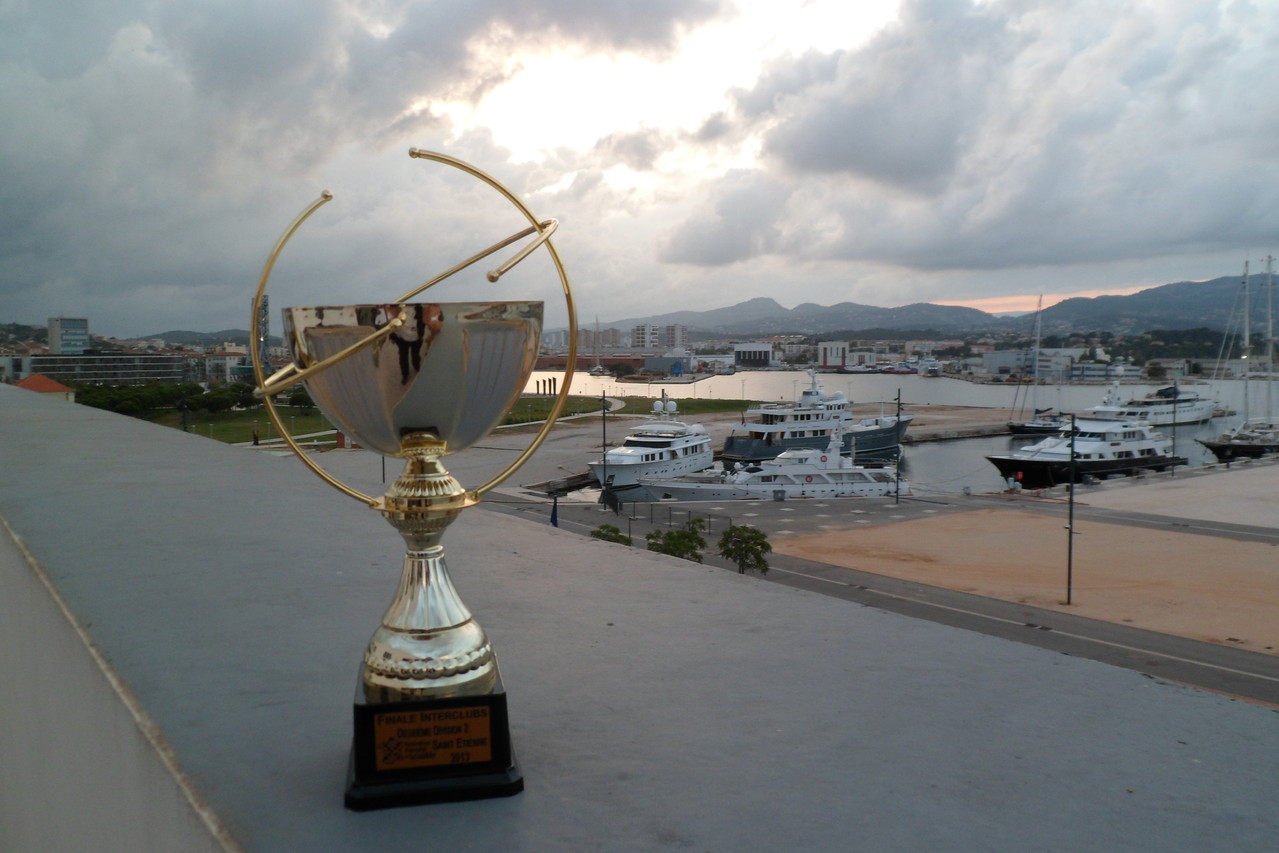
986,136
901,111
739,224
153,151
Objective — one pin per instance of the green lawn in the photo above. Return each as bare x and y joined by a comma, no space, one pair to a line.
236,427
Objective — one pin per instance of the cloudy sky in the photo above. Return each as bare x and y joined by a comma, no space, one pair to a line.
698,153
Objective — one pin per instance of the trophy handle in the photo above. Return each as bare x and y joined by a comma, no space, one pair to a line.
544,229
291,375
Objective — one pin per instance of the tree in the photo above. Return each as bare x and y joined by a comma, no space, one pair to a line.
745,546
299,398
684,542
609,533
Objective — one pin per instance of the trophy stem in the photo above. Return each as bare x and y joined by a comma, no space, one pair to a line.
428,645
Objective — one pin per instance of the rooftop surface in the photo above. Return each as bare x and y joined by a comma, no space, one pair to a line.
655,703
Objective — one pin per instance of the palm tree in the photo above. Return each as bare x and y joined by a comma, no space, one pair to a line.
745,546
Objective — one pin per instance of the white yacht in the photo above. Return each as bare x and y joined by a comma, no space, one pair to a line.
801,473
1102,448
660,447
1165,407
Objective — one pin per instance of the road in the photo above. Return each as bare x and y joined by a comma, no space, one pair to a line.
1236,672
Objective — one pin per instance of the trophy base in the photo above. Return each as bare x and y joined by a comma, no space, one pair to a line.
431,751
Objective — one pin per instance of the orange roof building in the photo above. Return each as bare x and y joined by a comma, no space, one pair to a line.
42,384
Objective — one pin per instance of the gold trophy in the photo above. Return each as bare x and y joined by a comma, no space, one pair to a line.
421,380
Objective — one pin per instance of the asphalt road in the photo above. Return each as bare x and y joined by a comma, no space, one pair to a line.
1236,672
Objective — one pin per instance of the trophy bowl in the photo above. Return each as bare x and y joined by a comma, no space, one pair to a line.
452,369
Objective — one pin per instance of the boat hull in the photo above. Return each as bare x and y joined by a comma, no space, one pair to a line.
1228,451
1046,473
729,491
621,477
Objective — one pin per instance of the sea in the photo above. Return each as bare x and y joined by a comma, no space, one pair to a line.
952,466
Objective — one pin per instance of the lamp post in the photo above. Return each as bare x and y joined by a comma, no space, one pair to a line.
897,467
1070,512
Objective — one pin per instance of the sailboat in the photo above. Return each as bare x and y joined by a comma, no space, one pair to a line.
1255,436
598,369
1044,421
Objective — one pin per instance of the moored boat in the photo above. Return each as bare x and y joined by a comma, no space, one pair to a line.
1102,448
1252,439
1165,407
1255,437
771,428
803,473
1045,422
660,447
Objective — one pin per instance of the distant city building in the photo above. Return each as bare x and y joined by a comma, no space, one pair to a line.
68,335
833,355
930,347
1090,371
675,337
753,355
114,369
646,336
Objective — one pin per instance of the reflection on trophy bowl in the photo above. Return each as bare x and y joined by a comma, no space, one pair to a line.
435,385
453,370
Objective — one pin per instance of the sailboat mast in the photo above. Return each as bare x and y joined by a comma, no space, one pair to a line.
597,342
1247,342
1270,339
1034,388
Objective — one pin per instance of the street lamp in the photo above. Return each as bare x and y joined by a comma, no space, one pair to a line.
1070,515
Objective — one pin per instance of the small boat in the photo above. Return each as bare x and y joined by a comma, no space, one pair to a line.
1255,437
1102,448
660,447
1044,421
1165,407
598,369
771,428
803,473
1252,439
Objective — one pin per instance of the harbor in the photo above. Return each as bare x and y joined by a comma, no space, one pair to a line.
955,423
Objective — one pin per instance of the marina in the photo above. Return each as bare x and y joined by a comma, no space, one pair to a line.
956,423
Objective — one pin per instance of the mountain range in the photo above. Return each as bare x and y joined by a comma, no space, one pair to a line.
1211,304
1214,304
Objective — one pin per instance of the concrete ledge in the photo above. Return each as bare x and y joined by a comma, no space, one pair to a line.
654,703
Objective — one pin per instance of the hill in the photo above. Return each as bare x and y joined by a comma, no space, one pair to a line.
1181,305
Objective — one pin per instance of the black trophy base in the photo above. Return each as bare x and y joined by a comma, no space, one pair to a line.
431,751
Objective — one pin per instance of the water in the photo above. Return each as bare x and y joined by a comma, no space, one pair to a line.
943,467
